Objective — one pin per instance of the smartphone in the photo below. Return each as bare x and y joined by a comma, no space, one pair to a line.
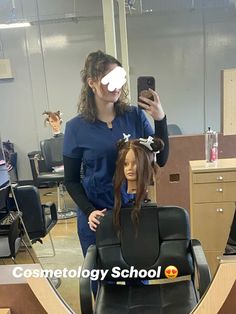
143,84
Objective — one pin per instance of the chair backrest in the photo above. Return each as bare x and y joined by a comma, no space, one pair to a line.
4,189
28,200
162,239
52,149
4,195
174,129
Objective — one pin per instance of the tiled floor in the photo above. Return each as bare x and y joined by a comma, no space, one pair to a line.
68,251
68,255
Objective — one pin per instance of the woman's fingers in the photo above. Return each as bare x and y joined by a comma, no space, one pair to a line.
93,220
152,106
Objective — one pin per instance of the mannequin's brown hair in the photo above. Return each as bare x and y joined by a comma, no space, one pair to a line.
146,169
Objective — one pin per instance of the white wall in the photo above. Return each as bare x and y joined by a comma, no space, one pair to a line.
184,50
44,79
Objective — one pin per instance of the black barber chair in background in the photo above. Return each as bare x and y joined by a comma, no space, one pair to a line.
53,172
162,239
39,219
37,165
11,229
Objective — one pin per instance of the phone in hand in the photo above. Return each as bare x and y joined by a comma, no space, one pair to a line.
143,84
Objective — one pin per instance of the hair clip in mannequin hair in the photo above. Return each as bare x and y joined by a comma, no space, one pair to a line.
115,79
126,137
122,141
155,155
147,142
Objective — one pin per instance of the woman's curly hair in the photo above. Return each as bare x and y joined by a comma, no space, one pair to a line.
96,65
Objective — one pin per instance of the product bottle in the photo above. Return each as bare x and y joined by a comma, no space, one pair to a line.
211,146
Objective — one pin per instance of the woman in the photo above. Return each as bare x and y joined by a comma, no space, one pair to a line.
91,137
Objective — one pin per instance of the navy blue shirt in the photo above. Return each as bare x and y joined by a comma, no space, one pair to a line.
94,144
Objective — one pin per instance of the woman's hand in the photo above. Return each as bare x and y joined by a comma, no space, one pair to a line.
153,107
93,219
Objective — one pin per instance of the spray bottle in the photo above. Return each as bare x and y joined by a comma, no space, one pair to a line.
211,146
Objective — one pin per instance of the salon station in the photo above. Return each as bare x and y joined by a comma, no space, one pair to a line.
172,247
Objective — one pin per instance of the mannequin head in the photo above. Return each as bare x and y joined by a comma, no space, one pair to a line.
135,166
54,120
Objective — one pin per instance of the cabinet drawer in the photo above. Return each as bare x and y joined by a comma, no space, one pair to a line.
207,192
214,192
229,191
214,177
211,224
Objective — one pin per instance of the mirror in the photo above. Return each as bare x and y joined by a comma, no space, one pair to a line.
183,44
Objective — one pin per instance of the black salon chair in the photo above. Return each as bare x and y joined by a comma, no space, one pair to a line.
52,153
39,219
37,165
162,239
11,232
11,229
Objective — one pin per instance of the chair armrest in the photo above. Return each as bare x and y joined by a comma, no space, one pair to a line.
203,272
85,283
52,208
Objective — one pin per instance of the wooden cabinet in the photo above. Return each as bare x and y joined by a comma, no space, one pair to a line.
212,205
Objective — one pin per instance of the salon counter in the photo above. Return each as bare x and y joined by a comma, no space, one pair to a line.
29,295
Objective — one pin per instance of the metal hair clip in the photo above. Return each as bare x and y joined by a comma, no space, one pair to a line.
155,155
126,137
147,142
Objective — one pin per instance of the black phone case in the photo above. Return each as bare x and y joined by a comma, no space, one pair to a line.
144,83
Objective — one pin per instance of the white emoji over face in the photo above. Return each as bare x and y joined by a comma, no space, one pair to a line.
115,79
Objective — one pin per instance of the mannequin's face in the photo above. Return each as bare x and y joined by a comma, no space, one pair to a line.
55,124
130,166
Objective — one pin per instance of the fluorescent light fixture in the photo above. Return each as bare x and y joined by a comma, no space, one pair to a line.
15,25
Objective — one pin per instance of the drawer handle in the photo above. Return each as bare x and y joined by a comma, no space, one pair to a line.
220,210
220,178
219,190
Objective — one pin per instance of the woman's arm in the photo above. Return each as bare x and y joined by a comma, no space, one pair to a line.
155,110
72,177
162,132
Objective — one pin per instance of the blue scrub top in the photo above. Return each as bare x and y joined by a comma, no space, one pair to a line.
94,144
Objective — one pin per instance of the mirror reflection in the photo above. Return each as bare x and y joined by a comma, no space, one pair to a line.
184,45
14,240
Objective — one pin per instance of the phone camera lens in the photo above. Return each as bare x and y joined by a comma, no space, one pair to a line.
149,82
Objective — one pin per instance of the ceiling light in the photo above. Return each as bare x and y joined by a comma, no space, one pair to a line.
15,25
